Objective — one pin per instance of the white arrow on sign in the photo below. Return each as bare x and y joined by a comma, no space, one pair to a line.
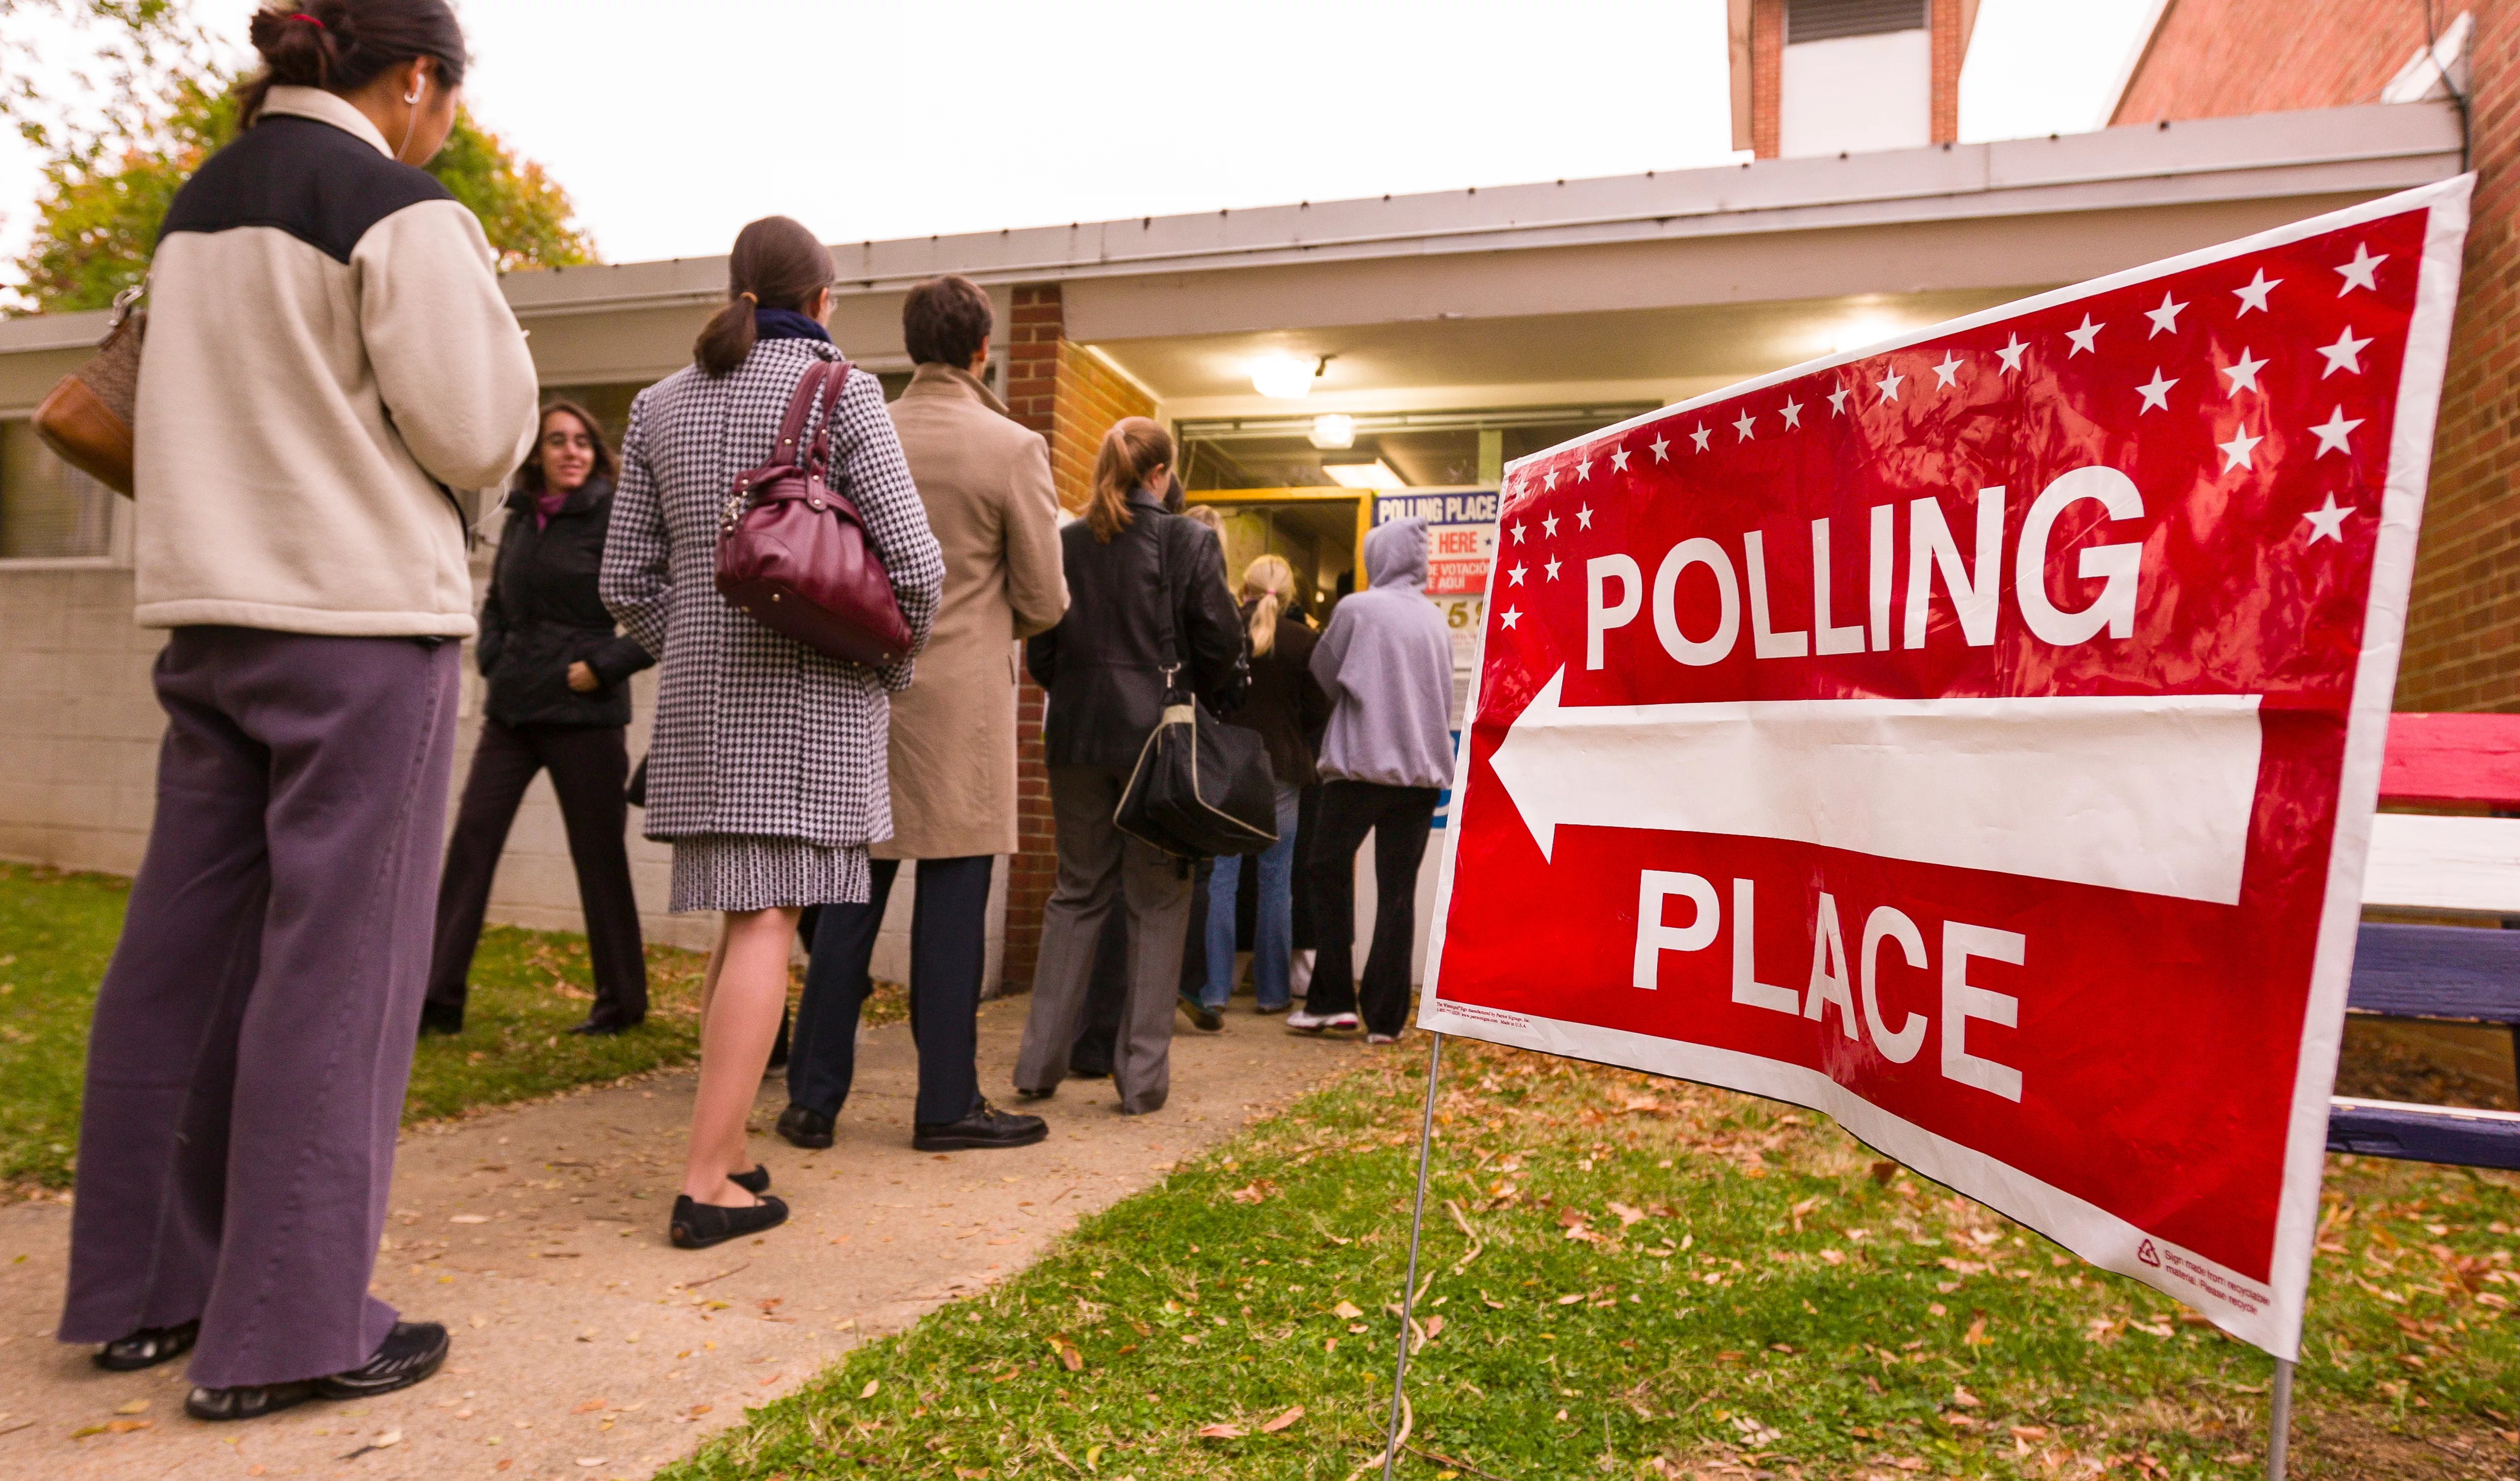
2138,793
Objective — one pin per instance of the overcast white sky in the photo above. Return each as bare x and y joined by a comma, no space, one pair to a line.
672,122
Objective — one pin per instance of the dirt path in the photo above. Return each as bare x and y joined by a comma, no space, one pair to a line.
585,1346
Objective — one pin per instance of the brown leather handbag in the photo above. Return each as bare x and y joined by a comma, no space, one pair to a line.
87,416
793,553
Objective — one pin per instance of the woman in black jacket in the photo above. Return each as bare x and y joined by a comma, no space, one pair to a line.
559,697
1145,593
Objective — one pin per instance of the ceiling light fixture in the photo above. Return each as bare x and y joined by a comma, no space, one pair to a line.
1375,474
1287,377
1332,432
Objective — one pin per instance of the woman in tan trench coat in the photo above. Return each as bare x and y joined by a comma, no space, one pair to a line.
985,481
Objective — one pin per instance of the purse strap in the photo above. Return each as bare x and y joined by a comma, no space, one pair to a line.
801,407
1171,607
836,382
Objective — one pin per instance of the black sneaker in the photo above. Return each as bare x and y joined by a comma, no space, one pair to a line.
985,1127
1205,1019
411,1353
805,1127
441,1018
698,1226
602,1028
148,1347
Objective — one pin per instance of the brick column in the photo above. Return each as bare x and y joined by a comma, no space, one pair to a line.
1767,76
1032,395
1950,48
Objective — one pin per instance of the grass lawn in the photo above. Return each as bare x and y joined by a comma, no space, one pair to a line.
1633,1278
56,930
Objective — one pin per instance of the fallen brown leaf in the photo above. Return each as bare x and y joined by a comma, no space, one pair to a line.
1283,1420
135,1406
1222,1432
1963,1398
588,1408
1347,1310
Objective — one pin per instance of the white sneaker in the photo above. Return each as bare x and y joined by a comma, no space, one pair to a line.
1299,973
1299,1022
1382,1038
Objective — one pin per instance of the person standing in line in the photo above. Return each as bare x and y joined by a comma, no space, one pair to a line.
984,480
767,769
1388,665
1148,601
559,697
1286,704
327,353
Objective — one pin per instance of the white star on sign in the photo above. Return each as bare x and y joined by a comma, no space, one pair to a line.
1517,532
1510,616
1554,564
2332,433
2165,319
1699,437
2346,354
1889,384
2358,272
1662,450
1837,401
1793,413
1549,526
2085,338
2235,453
1552,481
1583,471
2255,294
1743,427
2328,522
2244,373
1518,573
2156,393
1945,372
1583,517
2011,352
1618,460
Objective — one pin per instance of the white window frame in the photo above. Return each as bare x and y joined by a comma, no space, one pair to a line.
118,534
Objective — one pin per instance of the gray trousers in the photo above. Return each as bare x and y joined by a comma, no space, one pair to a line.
1096,865
254,1034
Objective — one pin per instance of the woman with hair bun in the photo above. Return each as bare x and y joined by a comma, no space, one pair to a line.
768,767
1146,597
328,354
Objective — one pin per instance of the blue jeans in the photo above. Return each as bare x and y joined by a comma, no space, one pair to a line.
1273,925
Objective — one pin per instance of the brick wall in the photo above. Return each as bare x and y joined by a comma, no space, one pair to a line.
2211,58
2216,58
1767,75
1091,397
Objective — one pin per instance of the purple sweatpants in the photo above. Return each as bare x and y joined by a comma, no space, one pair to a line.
254,1034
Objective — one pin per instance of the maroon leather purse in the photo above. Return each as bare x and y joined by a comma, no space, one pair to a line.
794,553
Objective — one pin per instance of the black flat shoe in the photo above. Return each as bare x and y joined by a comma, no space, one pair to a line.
411,1353
756,1182
698,1226
985,1127
602,1029
148,1347
441,1018
1023,1093
1205,1019
802,1126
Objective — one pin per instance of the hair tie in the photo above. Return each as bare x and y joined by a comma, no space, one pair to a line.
314,20
747,297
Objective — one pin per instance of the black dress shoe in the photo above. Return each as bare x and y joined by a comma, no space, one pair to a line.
802,1126
1023,1093
441,1018
1085,1066
409,1355
148,1347
602,1028
756,1182
985,1127
1205,1019
698,1226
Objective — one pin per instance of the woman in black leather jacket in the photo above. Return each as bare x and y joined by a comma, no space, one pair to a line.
559,697
1145,589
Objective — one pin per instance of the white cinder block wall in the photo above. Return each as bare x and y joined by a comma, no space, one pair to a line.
79,729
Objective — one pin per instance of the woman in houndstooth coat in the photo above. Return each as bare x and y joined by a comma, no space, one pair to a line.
766,771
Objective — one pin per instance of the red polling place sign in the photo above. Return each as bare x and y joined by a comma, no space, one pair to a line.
1976,738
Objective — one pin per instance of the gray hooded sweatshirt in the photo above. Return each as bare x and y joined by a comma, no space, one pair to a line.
1387,664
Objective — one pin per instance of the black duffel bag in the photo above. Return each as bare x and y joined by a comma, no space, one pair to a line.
1200,787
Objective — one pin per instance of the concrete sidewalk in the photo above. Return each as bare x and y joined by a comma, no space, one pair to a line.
585,1345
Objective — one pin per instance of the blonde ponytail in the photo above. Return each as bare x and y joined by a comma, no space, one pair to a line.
1274,580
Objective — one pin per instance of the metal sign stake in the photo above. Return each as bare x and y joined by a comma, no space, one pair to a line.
2278,1419
1409,1286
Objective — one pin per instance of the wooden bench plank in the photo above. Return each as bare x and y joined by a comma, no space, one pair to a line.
2436,971
2420,862
2424,1133
2451,758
